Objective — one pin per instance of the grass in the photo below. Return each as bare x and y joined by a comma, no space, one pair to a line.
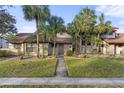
2,58
95,67
28,68
62,86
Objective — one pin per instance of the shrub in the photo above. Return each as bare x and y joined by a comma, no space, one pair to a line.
5,53
69,53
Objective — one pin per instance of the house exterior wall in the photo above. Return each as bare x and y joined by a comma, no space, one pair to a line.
33,50
3,43
89,49
120,50
17,51
67,47
110,48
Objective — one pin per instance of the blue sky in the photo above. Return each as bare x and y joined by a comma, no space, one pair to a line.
113,13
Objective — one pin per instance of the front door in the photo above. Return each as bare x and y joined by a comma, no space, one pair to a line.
60,49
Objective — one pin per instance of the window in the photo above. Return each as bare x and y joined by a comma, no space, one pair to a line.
61,33
17,46
30,48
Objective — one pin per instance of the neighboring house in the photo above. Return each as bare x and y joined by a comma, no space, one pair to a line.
21,44
3,43
103,46
114,46
113,43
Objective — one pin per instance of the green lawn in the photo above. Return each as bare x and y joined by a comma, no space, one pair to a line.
95,67
2,58
28,68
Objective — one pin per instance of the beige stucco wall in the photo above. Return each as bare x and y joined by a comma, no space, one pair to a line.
120,49
67,47
109,49
89,49
34,53
12,49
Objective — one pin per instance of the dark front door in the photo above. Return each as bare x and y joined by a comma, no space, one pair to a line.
60,49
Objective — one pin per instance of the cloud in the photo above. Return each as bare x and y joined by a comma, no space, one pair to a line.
114,11
27,29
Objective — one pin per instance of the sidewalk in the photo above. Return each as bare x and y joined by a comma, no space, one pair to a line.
61,81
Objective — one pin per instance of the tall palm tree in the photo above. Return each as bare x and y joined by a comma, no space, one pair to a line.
102,27
78,24
39,13
57,25
85,21
71,29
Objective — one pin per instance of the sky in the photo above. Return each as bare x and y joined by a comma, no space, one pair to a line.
115,14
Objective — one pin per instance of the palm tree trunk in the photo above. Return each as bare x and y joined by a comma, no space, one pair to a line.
85,48
76,49
98,44
1,42
54,44
80,43
43,50
38,50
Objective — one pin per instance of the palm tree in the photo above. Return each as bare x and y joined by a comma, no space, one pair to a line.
78,24
102,27
85,23
39,13
57,25
71,29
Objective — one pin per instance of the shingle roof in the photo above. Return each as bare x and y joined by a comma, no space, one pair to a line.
29,38
20,38
118,40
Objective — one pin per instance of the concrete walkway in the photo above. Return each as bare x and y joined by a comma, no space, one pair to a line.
62,79
61,70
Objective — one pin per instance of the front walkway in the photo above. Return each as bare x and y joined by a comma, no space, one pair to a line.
61,70
61,79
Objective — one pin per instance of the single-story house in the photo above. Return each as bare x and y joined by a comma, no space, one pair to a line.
25,43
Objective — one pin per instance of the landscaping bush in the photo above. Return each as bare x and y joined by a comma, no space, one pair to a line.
69,53
5,53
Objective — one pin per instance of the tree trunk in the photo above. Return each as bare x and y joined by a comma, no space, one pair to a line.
76,49
1,42
54,44
38,50
43,50
80,44
98,44
85,48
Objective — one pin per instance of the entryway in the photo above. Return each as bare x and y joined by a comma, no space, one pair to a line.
60,50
